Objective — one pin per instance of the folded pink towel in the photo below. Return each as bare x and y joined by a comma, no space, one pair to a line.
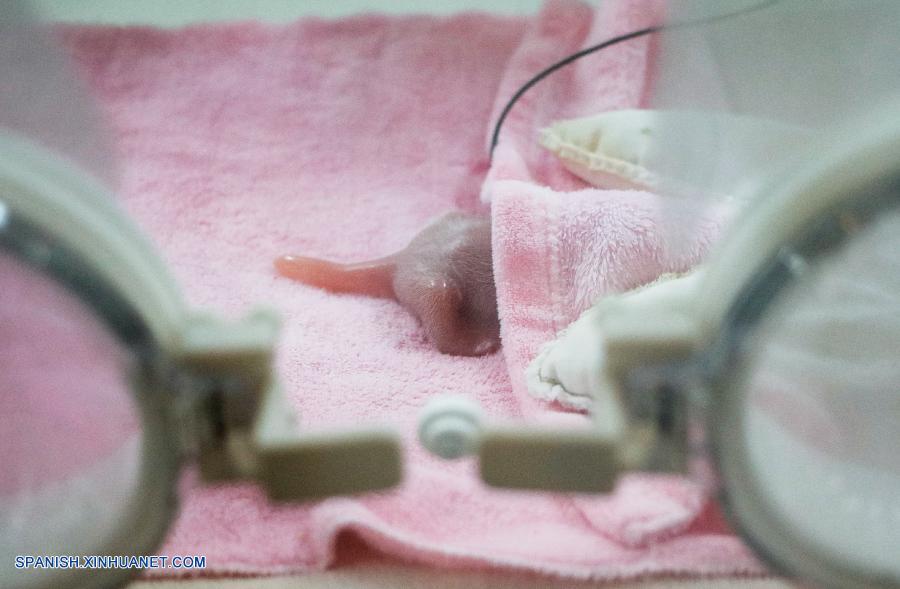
559,245
342,139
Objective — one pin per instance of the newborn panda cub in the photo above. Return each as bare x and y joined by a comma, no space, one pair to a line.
444,277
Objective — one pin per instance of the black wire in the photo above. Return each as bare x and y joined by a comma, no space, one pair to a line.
495,137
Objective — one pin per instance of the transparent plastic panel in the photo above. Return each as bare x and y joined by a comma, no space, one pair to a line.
41,96
744,96
70,430
822,415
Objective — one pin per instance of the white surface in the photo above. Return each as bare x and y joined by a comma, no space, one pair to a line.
390,576
173,13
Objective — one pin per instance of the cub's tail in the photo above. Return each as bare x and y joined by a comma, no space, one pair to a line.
374,278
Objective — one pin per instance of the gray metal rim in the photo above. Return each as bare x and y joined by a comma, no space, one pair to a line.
727,362
58,186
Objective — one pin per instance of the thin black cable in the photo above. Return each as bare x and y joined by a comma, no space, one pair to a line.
609,42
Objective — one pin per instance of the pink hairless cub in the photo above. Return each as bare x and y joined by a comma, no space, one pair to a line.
444,277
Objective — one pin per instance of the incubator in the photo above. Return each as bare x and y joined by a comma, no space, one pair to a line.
772,375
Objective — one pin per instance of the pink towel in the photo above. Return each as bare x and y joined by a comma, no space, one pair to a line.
342,139
559,245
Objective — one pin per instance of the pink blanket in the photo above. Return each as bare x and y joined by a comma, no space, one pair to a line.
342,139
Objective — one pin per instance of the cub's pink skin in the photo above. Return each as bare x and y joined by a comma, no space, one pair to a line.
444,277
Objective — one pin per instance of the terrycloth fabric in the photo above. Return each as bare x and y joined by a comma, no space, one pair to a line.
342,139
560,245
571,368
